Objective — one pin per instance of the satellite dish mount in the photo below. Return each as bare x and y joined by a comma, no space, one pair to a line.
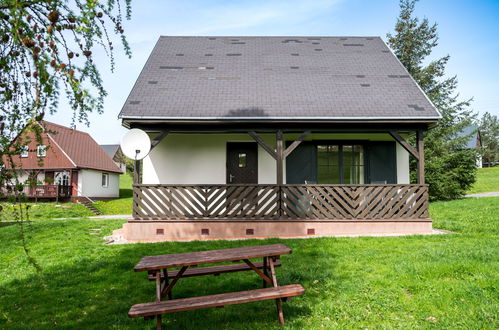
136,144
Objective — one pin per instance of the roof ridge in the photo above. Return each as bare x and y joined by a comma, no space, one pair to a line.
64,127
276,36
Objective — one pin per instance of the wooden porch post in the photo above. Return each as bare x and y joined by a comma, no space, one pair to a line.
136,180
420,147
136,172
280,154
279,170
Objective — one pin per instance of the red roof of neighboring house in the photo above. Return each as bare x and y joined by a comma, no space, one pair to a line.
67,148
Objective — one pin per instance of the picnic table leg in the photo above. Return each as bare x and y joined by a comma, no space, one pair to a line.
278,300
165,276
265,270
158,298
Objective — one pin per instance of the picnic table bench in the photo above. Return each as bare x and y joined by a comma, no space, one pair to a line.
157,267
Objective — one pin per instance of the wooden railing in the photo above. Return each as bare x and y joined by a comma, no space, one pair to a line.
167,202
39,191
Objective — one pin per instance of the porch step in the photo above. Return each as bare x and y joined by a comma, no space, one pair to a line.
91,207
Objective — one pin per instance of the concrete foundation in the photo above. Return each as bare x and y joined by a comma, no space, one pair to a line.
185,230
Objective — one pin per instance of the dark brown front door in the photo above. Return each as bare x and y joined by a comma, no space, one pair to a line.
242,162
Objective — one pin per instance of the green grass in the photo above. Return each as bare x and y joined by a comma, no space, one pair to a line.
120,206
444,281
45,210
487,180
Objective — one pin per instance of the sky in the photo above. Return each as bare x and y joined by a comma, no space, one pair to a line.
468,31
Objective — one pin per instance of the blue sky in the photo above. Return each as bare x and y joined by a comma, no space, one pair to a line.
469,32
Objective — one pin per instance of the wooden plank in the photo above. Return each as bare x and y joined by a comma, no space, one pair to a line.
277,301
295,144
258,271
404,144
217,300
211,256
263,144
168,289
158,138
213,270
279,158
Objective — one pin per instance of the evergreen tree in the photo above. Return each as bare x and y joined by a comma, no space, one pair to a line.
450,169
489,131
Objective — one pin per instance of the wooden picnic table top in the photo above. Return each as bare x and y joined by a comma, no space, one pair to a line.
211,256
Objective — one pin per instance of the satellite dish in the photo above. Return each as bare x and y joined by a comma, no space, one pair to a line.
135,144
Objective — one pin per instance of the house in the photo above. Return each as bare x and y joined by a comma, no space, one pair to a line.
67,164
277,137
114,151
473,141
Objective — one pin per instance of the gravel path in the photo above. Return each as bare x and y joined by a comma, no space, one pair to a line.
487,194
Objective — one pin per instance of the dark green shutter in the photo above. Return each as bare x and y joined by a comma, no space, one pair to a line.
301,164
382,162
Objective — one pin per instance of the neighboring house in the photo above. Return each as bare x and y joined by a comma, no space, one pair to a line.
72,165
277,137
114,151
474,141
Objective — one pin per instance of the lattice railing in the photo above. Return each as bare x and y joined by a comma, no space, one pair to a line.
280,202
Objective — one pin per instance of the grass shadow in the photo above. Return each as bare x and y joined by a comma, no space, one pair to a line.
125,193
98,292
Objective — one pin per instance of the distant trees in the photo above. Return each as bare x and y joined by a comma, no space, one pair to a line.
489,131
450,168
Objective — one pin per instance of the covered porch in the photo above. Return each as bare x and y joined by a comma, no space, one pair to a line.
284,182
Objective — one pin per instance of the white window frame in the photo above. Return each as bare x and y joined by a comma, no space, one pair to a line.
41,151
105,182
24,152
61,177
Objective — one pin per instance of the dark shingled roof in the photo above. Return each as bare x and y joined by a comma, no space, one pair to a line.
234,78
110,149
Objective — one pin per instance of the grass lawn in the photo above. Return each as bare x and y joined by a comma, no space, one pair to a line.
444,281
487,180
123,205
45,210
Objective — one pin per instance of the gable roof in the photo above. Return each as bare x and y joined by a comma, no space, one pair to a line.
80,148
110,149
285,78
473,134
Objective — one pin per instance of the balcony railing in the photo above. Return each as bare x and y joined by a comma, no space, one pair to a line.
40,191
315,201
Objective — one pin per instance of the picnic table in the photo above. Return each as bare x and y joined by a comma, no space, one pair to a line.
160,270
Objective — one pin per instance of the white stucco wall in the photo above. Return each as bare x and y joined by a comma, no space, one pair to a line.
201,158
23,176
90,184
403,176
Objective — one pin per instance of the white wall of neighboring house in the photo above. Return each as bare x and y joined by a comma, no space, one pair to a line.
201,158
90,184
23,176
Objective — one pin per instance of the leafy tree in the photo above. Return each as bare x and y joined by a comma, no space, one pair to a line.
489,131
449,168
47,48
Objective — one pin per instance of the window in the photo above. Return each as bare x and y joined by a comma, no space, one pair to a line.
24,152
242,160
105,179
41,151
62,179
340,163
